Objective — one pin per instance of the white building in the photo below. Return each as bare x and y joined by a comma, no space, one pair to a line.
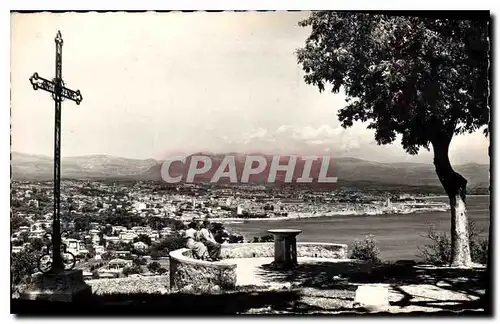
165,231
111,239
119,229
75,246
141,230
24,229
99,249
154,236
127,236
139,205
17,249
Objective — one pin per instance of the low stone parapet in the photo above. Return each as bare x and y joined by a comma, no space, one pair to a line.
185,271
322,250
304,249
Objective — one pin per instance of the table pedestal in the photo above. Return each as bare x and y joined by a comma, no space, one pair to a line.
285,248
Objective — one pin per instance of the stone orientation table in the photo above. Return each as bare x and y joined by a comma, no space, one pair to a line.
285,248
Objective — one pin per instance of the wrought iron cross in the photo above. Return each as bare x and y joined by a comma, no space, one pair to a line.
59,93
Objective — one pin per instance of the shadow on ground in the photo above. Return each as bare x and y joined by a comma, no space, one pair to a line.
154,304
347,276
319,288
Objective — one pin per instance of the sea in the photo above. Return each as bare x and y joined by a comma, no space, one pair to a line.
399,236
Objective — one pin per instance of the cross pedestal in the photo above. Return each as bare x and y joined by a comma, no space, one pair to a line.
285,248
65,286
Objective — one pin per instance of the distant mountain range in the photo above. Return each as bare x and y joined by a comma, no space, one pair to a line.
350,171
40,167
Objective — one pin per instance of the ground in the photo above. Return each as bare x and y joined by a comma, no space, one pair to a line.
329,285
315,286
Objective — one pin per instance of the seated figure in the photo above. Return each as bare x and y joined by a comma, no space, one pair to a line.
198,249
207,238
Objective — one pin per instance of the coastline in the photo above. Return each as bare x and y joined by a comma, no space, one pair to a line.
444,196
302,215
312,215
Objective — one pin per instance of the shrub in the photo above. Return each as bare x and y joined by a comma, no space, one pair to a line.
161,270
106,256
236,238
133,269
366,250
140,261
438,252
263,239
154,266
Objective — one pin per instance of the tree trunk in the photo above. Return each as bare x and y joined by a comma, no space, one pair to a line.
455,187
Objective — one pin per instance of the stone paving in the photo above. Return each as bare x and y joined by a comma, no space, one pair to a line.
319,287
249,271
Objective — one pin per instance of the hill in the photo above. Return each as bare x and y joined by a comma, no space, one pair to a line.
350,171
37,167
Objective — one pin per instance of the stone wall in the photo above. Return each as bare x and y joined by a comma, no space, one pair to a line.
247,250
135,284
322,250
260,250
186,271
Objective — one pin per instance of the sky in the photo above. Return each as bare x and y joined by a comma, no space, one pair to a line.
161,84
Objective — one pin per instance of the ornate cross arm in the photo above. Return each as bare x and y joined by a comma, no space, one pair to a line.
76,96
39,82
50,86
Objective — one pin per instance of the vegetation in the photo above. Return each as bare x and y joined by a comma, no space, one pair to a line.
143,238
438,252
422,79
139,261
133,269
23,265
366,250
106,256
17,221
263,239
171,243
154,266
154,253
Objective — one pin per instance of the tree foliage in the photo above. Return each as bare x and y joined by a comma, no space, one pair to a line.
23,265
143,238
420,77
425,79
154,253
172,242
17,221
